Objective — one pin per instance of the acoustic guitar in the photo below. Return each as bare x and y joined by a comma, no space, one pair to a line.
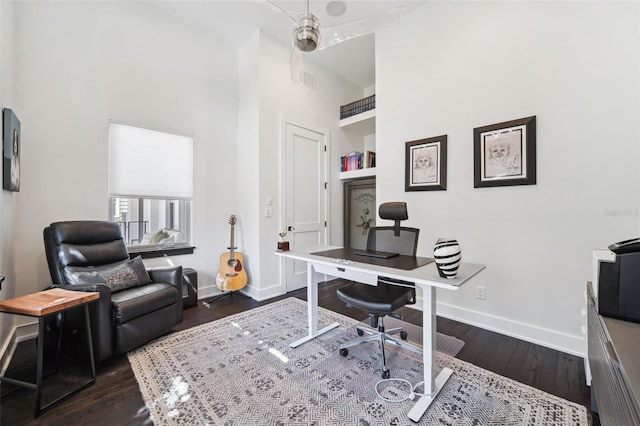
232,275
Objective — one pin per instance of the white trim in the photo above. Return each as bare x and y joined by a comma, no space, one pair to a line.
258,294
262,293
359,173
571,344
18,334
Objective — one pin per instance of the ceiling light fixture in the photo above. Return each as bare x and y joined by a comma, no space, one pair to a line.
306,35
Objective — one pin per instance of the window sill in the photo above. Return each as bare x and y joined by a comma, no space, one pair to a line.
148,252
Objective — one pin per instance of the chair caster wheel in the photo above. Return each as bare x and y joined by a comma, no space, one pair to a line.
360,332
344,352
386,374
403,335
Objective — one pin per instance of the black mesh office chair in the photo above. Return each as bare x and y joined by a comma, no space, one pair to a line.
383,299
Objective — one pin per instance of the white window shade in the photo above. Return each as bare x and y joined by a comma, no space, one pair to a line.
145,163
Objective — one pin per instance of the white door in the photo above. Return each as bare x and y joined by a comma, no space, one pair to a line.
305,196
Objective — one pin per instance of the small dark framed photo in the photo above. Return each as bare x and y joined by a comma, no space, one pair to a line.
426,164
11,151
505,153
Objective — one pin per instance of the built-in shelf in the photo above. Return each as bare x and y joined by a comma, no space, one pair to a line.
364,123
357,174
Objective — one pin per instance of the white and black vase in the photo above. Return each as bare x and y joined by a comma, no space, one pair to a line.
447,256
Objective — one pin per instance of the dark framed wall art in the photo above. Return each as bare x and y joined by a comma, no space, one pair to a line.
11,151
505,153
426,164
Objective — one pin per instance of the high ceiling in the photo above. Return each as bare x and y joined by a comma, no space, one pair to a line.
234,21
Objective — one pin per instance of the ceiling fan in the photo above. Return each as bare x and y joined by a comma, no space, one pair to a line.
308,36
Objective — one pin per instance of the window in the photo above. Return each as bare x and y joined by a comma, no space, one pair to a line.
150,186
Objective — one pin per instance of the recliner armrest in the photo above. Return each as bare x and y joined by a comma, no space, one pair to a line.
167,274
170,275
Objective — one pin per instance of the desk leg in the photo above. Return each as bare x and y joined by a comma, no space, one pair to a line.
312,308
432,385
87,318
63,320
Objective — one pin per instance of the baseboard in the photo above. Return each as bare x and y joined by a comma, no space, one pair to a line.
266,293
258,294
18,334
563,342
205,292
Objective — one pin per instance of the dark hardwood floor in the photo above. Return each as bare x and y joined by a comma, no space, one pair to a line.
115,399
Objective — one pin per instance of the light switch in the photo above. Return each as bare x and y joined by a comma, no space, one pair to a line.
268,212
269,200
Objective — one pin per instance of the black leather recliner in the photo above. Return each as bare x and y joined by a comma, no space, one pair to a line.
85,256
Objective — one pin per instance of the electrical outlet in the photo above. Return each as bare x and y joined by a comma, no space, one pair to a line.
481,293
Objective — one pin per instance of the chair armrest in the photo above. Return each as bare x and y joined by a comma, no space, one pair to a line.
170,275
167,274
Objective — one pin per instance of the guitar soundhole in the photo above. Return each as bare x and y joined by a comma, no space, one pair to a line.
235,265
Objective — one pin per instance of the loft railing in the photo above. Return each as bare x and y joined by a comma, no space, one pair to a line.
133,231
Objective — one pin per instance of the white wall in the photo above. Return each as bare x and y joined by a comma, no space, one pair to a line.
7,199
83,63
575,66
249,164
280,101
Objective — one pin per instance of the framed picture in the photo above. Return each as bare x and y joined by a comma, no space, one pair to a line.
426,164
11,151
505,153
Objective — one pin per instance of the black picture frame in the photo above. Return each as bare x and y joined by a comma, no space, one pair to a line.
426,164
505,153
11,151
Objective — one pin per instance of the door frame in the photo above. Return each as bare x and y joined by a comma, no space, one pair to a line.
282,220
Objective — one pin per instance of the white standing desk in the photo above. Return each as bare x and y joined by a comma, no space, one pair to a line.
425,277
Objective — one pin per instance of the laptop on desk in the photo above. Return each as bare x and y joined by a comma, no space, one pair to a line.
377,254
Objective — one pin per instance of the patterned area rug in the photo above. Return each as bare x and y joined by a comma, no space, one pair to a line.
240,370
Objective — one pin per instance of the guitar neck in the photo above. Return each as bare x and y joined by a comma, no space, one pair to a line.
232,245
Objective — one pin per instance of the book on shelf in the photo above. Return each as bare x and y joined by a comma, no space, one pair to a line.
358,107
370,159
357,160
